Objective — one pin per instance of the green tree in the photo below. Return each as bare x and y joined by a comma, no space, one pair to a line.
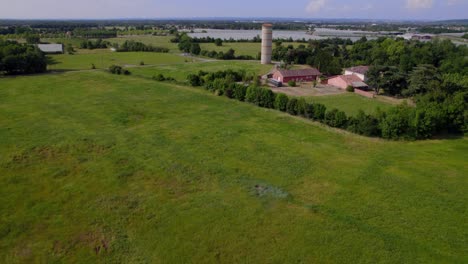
319,112
195,49
281,102
33,39
194,80
424,78
291,107
389,78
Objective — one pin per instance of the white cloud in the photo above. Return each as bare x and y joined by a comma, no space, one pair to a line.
419,4
315,6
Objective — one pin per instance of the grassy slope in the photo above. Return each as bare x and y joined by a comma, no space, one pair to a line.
351,103
159,173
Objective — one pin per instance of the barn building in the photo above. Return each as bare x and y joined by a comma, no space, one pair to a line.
302,75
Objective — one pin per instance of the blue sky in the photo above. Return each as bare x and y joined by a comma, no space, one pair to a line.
369,9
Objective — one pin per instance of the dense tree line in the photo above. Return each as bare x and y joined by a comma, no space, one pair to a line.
187,45
97,44
436,113
18,58
439,30
95,33
228,55
131,45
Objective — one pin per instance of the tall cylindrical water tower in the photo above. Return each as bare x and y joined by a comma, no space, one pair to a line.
267,43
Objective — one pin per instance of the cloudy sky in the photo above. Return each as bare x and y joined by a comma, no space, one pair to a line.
371,9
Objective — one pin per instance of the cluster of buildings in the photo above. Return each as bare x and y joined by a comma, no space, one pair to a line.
354,77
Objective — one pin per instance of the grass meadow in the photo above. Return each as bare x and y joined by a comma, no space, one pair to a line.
96,167
103,58
351,103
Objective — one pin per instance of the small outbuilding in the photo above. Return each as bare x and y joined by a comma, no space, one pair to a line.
344,81
301,75
359,71
51,48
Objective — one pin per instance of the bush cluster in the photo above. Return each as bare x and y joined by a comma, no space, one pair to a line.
115,69
161,78
433,115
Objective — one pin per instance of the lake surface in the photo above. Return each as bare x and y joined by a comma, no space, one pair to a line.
320,33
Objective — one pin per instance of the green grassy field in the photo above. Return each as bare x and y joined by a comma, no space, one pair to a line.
102,59
158,41
102,168
351,103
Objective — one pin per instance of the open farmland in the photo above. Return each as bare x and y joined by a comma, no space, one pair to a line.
96,167
103,58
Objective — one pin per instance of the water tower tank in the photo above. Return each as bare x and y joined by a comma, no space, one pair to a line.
267,43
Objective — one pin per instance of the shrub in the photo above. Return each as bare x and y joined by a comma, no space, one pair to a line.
350,89
291,107
292,83
319,112
219,86
395,123
115,69
301,107
267,98
336,118
239,91
281,102
194,80
159,78
260,96
363,124
309,111
142,63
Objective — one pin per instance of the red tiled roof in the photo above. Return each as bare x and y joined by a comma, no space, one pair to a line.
359,69
301,72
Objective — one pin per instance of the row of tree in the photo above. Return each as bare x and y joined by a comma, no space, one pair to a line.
131,45
228,55
97,44
435,113
94,33
16,58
